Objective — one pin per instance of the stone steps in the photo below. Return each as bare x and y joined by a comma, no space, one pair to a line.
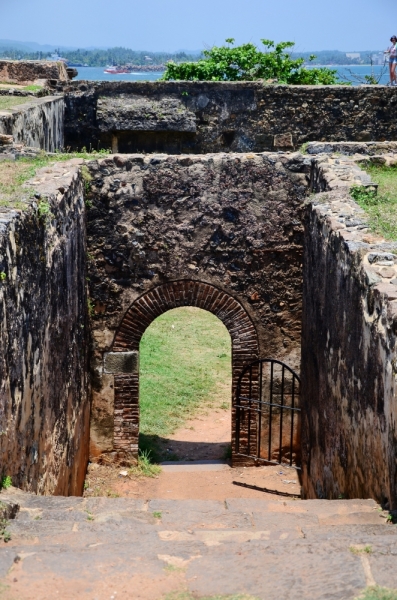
267,549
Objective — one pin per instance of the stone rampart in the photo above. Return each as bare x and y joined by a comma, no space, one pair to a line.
349,328
25,72
201,117
44,404
38,124
225,230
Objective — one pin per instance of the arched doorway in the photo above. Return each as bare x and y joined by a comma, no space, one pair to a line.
123,360
185,387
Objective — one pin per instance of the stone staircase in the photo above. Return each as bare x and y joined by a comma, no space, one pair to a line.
99,548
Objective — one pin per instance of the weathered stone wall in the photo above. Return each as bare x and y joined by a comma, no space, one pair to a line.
38,124
349,431
44,405
25,72
226,227
201,117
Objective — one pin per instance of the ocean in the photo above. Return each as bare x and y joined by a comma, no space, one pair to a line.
353,73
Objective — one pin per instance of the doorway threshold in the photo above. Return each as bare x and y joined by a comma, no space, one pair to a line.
195,465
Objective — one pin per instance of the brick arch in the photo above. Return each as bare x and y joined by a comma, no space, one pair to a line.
149,306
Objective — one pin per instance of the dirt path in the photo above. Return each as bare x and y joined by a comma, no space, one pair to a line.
204,484
206,437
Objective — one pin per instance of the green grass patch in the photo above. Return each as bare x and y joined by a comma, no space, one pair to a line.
185,355
32,88
381,207
378,593
7,102
13,174
145,466
360,550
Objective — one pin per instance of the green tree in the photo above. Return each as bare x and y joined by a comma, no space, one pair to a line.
247,63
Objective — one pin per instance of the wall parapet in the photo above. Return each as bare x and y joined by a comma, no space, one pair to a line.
38,124
349,369
44,405
200,117
24,72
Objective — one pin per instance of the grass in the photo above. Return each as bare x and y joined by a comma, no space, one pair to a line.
145,467
183,355
32,88
378,593
7,102
13,174
381,207
359,550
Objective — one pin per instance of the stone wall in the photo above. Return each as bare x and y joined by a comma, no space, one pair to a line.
44,405
224,229
201,117
38,124
349,327
25,72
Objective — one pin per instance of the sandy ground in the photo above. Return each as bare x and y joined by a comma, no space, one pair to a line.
210,485
207,437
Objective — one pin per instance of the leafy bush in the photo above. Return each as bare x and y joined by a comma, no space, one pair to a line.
247,63
5,482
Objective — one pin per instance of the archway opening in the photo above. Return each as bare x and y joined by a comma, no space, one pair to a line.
185,387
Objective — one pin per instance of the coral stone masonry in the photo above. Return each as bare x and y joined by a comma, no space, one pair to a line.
180,117
205,201
227,228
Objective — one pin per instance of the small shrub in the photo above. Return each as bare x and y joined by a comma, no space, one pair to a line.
5,482
3,276
248,63
44,210
157,515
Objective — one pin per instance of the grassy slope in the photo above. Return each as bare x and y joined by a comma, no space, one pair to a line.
183,355
13,174
382,209
12,101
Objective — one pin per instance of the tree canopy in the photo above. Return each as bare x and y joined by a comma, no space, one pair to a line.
247,63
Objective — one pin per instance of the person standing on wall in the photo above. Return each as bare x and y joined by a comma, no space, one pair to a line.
392,52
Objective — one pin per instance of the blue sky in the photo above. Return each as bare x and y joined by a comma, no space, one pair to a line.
193,24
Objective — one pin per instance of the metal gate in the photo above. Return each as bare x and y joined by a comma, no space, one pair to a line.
268,413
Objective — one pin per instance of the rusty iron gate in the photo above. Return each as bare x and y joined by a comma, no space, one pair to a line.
268,413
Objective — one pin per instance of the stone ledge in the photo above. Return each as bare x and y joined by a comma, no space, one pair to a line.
121,362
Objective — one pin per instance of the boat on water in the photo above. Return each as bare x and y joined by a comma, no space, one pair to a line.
117,70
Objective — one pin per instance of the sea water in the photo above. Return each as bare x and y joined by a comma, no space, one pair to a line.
353,73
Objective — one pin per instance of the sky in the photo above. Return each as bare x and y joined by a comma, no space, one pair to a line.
171,25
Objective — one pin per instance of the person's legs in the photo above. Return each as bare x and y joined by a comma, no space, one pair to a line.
393,76
391,71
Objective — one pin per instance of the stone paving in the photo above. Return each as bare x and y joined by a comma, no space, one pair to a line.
97,548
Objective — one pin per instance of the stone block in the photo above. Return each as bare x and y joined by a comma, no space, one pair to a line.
283,141
6,139
121,362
